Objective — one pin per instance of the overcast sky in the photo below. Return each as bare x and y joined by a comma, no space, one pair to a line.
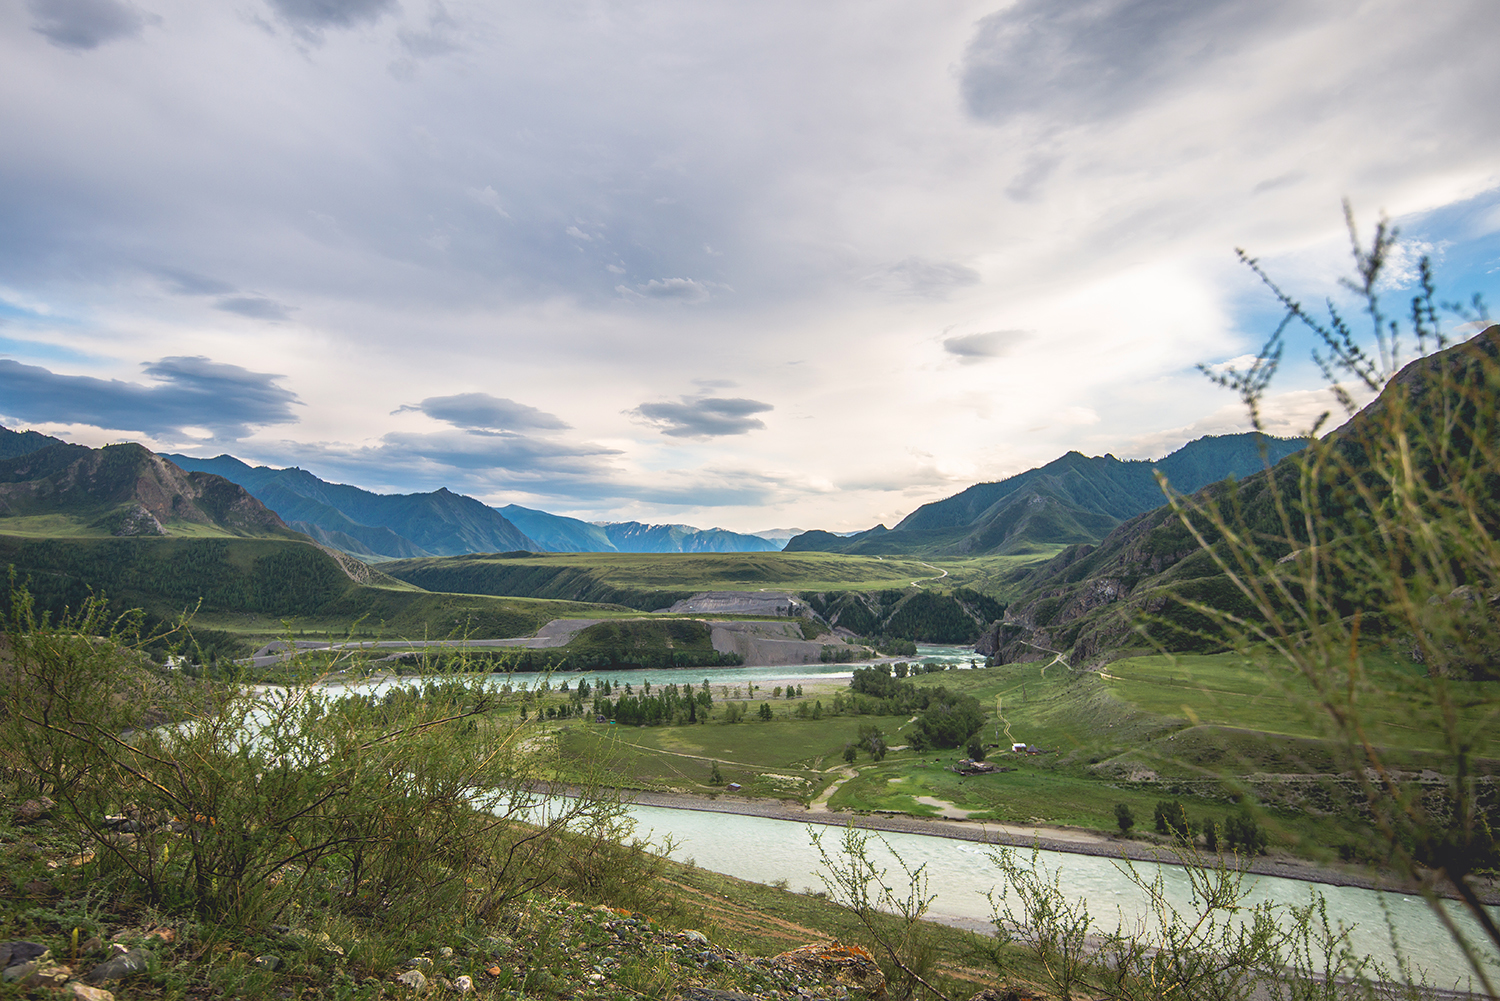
739,265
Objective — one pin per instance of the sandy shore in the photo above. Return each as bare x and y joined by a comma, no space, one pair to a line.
1077,841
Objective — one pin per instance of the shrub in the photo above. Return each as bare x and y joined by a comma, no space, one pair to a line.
1243,833
1385,533
1171,818
245,802
1124,817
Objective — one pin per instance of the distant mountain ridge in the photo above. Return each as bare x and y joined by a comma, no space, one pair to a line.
377,527
561,534
384,526
1073,499
635,537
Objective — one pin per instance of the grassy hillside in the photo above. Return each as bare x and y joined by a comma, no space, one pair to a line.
1090,601
255,589
649,581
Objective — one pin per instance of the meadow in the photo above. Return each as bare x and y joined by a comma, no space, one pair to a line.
1202,730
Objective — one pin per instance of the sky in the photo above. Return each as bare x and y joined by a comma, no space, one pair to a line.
741,265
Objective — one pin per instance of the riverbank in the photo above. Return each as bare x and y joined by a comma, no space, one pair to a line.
1076,841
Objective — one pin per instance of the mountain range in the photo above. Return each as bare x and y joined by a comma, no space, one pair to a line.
376,527
1073,499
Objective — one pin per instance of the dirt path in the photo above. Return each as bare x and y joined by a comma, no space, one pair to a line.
820,804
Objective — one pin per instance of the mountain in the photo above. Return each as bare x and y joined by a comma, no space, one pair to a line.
1089,600
555,533
124,490
635,537
386,526
14,443
559,534
1070,500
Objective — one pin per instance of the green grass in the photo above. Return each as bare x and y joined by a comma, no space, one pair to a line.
781,758
680,571
1225,690
1128,737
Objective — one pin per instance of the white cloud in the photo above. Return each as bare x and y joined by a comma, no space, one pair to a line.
578,211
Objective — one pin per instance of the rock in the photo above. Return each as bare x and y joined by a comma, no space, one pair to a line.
419,963
464,984
709,994
413,979
47,975
695,937
33,810
268,962
849,965
16,952
445,953
20,971
83,992
119,966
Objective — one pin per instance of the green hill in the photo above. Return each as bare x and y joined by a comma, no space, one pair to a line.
14,443
1089,600
123,490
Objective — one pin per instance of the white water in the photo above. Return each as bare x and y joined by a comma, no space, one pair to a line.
767,677
960,873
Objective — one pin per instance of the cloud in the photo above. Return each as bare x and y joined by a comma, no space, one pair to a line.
191,283
1081,62
483,412
680,289
482,450
490,198
972,348
81,25
923,278
316,14
192,392
703,417
475,462
438,40
257,307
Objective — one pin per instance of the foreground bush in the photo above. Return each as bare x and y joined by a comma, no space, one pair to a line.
1381,538
242,805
